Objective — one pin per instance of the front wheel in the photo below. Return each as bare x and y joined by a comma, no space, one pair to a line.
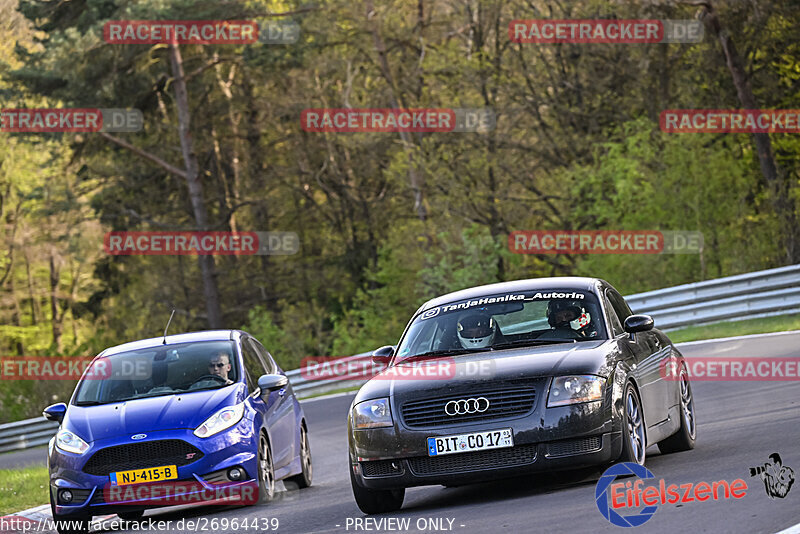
266,472
372,501
683,439
69,524
633,429
303,480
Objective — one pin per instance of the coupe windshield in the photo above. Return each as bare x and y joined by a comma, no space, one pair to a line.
507,320
155,371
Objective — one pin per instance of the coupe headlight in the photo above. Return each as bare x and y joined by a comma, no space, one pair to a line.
223,419
575,389
67,441
372,414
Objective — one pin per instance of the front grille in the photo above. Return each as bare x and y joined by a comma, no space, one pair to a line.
217,477
508,402
381,468
473,461
570,447
141,455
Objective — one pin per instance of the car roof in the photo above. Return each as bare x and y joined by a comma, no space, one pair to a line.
564,282
204,335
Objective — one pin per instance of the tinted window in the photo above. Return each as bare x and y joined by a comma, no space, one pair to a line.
266,357
619,305
616,324
253,366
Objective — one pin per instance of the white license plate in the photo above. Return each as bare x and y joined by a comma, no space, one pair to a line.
477,441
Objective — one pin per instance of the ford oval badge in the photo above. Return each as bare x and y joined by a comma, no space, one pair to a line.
138,436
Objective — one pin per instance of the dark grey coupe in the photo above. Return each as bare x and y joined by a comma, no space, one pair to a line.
513,378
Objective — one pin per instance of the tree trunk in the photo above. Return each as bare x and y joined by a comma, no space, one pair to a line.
56,322
207,269
775,178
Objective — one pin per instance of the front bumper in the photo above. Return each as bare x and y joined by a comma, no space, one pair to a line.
236,446
545,439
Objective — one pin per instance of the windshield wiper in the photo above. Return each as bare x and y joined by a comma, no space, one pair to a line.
531,342
88,403
442,352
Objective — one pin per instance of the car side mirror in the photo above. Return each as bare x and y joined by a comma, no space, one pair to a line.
383,355
638,323
55,412
272,382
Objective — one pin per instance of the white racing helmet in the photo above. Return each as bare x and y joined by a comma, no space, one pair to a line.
476,331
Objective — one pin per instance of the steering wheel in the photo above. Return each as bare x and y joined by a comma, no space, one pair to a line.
206,377
561,334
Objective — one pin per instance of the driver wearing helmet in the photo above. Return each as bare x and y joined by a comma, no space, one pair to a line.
560,313
477,331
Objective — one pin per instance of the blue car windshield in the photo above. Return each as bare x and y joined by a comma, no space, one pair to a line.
499,321
156,371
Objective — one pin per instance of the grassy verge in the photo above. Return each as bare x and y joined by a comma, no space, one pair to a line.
21,489
763,325
332,392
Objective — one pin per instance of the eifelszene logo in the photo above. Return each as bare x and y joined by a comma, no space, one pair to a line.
613,497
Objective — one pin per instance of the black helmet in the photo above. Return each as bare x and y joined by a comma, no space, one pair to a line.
561,312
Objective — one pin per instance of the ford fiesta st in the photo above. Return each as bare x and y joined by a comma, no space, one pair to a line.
514,378
180,417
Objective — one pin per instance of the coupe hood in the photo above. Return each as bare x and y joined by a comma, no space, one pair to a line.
495,367
168,412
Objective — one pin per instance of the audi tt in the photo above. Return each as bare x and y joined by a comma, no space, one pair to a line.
515,378
178,416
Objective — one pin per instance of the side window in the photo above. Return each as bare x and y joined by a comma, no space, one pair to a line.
616,324
252,364
266,358
619,305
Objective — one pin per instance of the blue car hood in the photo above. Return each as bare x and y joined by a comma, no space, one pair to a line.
168,412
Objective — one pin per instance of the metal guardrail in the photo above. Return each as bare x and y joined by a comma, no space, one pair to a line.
758,294
27,433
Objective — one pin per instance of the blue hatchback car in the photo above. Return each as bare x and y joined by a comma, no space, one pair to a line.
204,409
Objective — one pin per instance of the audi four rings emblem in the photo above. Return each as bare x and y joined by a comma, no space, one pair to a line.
466,406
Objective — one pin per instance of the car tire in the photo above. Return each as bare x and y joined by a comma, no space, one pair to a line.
69,524
266,472
131,516
372,501
303,480
684,438
634,434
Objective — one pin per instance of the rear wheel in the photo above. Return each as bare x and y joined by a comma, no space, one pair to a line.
633,429
372,501
266,472
683,439
303,480
69,524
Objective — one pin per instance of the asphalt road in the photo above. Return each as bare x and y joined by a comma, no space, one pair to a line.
739,425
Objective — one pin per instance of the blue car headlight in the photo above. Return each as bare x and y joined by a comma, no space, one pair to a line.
372,414
575,389
223,419
67,441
